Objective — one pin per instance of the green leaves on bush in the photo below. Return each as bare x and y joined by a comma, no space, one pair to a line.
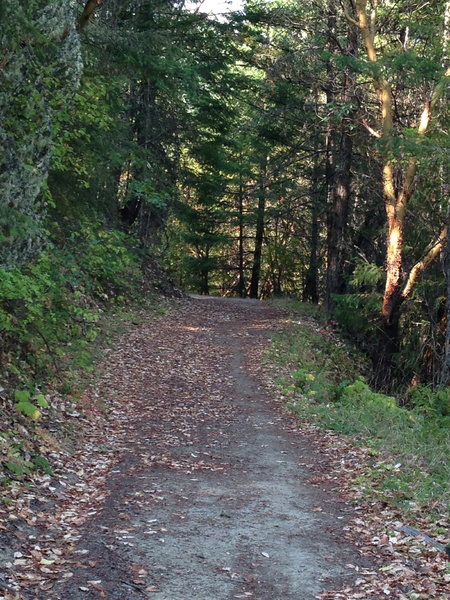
42,464
108,266
411,432
315,384
21,395
360,392
18,468
30,410
25,405
429,401
53,303
42,401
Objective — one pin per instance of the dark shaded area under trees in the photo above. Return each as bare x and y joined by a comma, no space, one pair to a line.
295,149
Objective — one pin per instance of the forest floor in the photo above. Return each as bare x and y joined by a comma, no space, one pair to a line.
192,482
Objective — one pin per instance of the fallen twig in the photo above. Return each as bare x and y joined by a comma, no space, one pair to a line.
416,533
134,586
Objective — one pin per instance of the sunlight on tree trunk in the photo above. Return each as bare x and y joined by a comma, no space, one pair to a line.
398,286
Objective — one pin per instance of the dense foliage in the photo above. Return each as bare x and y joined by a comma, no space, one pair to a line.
288,149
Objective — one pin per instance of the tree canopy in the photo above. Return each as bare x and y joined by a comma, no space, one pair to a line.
286,148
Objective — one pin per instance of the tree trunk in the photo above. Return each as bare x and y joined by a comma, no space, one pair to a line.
310,290
445,375
203,273
339,176
338,215
276,268
204,282
241,280
129,213
388,346
86,15
398,285
259,235
42,74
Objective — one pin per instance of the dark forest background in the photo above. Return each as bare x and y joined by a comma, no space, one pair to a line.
293,149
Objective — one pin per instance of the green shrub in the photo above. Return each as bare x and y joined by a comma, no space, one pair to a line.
42,401
412,436
25,405
359,392
21,396
108,265
53,302
426,400
40,463
29,409
18,468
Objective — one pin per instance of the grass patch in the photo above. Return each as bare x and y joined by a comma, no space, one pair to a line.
323,384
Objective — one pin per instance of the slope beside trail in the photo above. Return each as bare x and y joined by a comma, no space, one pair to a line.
208,498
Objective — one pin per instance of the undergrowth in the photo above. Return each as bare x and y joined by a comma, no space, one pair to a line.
409,438
56,314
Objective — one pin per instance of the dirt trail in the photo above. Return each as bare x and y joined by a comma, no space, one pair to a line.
209,500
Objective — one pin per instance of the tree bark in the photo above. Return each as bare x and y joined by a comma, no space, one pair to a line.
338,218
241,280
259,234
445,371
86,15
147,120
310,290
339,184
398,284
445,374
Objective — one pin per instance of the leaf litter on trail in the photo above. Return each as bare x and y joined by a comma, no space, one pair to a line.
47,520
408,568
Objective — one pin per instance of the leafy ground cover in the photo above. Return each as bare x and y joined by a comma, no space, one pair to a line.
55,465
58,314
392,458
176,441
62,532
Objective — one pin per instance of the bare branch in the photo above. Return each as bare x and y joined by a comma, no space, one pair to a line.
370,129
425,262
347,15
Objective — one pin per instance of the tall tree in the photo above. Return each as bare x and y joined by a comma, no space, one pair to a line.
341,89
399,168
40,71
259,230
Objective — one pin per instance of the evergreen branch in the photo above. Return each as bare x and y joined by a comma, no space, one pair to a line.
87,13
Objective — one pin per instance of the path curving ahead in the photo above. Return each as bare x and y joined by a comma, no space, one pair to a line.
209,500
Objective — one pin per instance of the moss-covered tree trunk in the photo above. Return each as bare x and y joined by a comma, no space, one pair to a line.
40,72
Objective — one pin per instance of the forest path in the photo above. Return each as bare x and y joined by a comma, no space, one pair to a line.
209,500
